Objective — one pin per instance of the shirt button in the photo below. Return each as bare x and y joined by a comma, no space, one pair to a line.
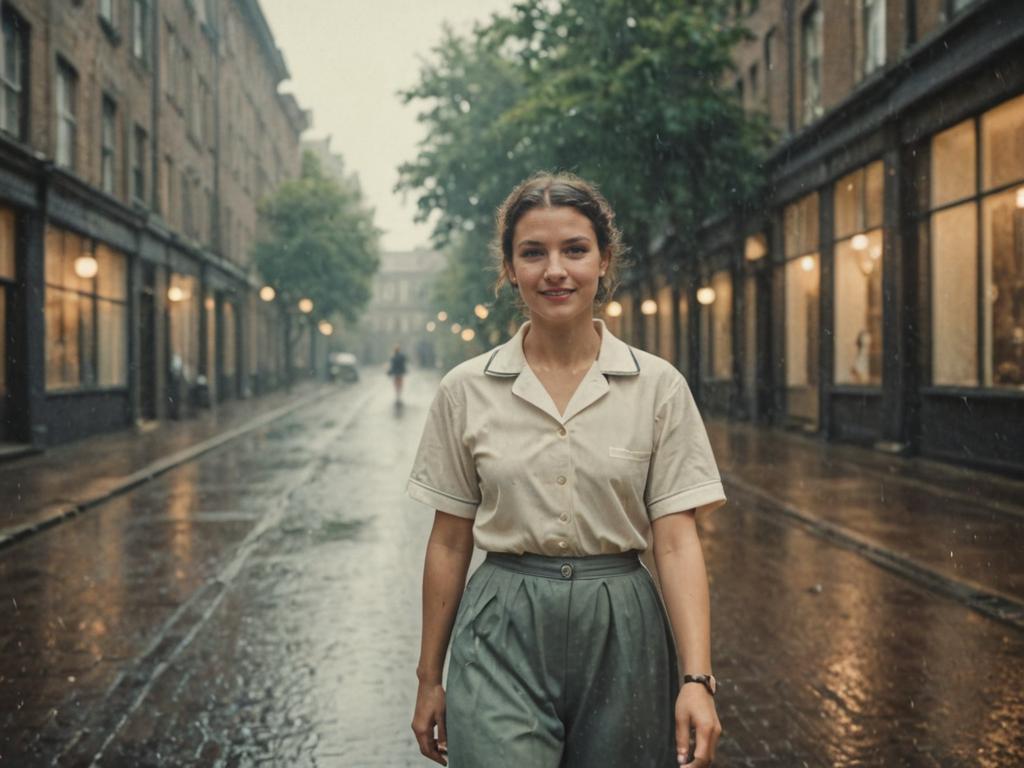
561,480
564,518
562,432
563,545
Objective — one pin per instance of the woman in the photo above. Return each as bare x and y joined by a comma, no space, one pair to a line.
396,370
562,454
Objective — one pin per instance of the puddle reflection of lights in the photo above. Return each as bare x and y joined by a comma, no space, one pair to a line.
614,309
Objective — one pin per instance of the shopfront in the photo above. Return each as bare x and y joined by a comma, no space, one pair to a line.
7,325
799,275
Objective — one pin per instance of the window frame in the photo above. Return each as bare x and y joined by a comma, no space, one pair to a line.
108,150
19,83
813,18
67,84
140,141
141,47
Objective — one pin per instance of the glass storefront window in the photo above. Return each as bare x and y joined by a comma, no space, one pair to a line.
210,308
6,244
684,334
802,278
86,318
721,326
750,339
1002,141
1003,279
229,337
953,173
183,315
976,251
666,328
858,276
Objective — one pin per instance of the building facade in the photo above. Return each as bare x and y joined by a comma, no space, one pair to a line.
400,308
137,138
878,298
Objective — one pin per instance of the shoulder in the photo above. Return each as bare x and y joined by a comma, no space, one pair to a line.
658,375
466,374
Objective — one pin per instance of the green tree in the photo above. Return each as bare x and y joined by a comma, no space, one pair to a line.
318,241
628,93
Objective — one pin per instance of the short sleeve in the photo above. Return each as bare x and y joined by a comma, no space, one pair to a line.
444,474
683,474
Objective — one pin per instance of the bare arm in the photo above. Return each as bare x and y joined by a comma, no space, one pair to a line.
449,550
684,586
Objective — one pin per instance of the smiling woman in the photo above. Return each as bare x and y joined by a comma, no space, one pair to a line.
563,454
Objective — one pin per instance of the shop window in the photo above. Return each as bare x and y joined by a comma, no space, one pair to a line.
684,334
858,276
976,250
86,314
183,319
229,364
210,309
666,327
12,73
750,338
716,301
6,244
801,276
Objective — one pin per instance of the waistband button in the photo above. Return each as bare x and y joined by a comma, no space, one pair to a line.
566,571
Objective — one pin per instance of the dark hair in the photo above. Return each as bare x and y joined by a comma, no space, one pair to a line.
552,190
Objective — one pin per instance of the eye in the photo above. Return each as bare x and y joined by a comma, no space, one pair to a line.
531,254
578,250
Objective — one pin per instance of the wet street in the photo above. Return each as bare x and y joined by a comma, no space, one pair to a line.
259,605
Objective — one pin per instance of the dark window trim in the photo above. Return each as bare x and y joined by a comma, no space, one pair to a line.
7,13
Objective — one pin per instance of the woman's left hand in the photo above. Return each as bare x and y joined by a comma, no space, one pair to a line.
695,710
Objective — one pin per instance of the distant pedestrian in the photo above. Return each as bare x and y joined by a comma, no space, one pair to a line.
396,370
563,454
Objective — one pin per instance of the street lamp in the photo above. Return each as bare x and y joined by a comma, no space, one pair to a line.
614,309
468,334
807,263
456,328
175,294
706,295
267,293
859,242
305,306
481,311
431,325
325,328
442,315
649,307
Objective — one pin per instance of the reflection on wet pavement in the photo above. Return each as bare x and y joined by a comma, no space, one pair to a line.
261,606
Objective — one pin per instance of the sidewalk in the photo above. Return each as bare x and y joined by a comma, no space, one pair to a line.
44,489
956,530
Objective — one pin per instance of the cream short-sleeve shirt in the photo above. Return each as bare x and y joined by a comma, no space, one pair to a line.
630,447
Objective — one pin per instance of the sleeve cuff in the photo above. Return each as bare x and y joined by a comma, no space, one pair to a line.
704,497
444,502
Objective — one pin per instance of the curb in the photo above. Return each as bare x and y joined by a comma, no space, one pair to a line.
59,513
988,602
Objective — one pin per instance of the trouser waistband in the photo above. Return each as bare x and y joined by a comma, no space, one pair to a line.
556,567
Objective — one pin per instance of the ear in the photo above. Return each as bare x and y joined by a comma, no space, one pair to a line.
606,259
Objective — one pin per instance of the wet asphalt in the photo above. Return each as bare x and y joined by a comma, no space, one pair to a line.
259,605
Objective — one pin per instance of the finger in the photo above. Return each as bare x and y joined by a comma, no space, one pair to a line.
442,733
702,749
428,747
683,738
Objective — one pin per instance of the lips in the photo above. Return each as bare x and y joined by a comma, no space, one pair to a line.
560,293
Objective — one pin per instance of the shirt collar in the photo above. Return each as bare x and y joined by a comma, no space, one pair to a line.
616,358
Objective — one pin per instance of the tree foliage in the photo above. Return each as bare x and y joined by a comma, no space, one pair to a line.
318,240
627,93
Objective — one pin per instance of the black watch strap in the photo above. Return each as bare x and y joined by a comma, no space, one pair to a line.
704,680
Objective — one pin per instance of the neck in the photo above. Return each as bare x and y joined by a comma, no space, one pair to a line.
570,345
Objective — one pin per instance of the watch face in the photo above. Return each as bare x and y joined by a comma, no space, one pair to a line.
714,684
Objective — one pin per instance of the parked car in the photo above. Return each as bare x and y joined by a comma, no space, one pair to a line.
344,366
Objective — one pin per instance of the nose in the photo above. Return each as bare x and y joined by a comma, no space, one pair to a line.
554,270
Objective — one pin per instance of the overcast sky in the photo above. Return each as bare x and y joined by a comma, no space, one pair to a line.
348,59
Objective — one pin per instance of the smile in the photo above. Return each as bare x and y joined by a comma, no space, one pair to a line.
560,293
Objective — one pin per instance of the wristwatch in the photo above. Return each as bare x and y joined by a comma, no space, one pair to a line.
708,681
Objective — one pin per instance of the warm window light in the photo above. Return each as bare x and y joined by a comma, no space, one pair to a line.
807,263
86,266
175,294
755,248
431,326
706,295
1020,197
614,309
305,306
209,303
859,243
442,315
468,334
649,307
481,311
456,328
267,293
325,328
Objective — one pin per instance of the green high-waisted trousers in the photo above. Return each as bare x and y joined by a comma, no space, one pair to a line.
561,663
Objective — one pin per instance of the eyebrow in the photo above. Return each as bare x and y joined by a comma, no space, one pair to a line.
567,241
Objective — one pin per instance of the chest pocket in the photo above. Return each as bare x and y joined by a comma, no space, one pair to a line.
629,455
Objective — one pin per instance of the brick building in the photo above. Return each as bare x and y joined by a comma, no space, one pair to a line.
136,139
879,296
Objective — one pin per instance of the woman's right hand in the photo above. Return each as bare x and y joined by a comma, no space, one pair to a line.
430,713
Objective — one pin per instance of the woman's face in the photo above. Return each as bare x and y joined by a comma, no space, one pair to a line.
556,263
